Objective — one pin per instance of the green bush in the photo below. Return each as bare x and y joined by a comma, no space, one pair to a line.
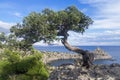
15,67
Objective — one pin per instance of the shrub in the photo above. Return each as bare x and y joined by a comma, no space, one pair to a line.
16,67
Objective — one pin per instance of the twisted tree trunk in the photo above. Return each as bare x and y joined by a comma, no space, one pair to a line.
87,56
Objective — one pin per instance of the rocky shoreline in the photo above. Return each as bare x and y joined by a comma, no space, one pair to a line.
51,56
77,72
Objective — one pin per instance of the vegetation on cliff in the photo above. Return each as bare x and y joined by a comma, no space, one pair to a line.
15,66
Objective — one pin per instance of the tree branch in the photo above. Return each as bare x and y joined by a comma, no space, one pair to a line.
71,48
87,56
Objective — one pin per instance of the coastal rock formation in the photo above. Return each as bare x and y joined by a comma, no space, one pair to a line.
96,72
75,71
51,56
101,54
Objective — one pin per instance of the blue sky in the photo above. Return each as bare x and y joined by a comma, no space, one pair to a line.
105,14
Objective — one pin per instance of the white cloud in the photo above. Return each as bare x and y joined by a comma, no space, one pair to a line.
17,14
54,43
106,14
115,32
106,24
100,43
84,10
92,1
6,25
109,37
41,43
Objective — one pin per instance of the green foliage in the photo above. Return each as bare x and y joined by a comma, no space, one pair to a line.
8,41
1,45
11,41
2,39
48,24
12,56
14,66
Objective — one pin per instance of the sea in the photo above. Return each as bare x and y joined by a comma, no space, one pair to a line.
114,51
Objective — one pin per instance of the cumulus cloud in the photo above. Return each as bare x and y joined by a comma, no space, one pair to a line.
6,25
106,13
106,24
109,37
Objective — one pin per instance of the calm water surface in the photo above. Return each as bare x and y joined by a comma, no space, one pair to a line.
114,51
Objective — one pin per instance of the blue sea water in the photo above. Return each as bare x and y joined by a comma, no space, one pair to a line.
114,51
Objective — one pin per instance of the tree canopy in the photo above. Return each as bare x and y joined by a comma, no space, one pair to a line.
48,24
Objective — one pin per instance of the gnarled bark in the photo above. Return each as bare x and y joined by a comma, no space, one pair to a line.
87,56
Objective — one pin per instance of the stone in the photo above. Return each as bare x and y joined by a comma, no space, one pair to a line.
114,65
100,72
101,54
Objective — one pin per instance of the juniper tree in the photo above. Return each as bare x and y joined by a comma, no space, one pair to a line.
48,24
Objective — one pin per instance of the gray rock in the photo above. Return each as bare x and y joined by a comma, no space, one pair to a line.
97,72
101,54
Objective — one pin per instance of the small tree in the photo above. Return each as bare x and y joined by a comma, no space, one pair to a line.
48,24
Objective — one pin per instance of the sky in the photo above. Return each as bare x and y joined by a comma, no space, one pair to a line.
105,13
